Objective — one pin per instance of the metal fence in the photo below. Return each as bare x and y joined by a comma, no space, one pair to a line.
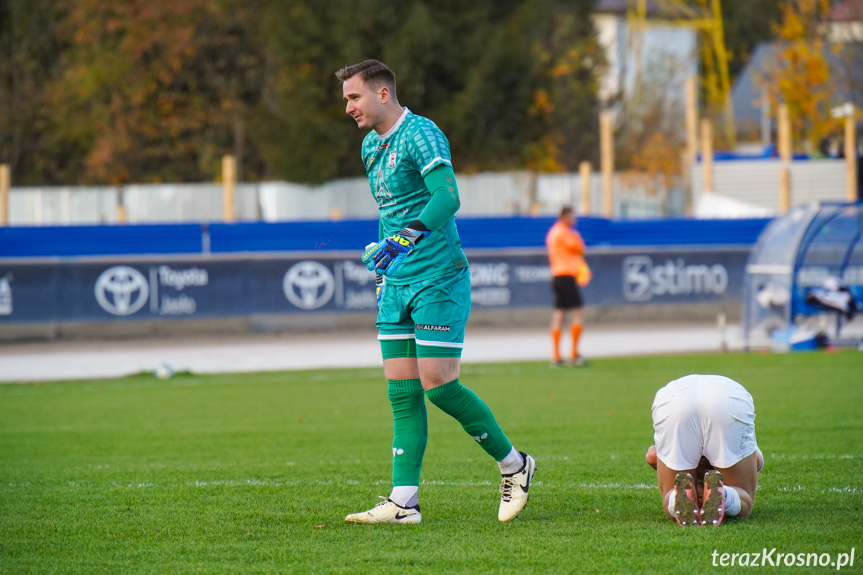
483,194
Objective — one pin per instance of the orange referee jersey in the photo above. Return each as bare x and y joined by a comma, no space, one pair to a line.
566,253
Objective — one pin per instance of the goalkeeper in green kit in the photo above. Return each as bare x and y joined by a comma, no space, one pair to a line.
423,293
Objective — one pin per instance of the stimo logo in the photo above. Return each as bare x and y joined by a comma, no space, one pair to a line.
308,285
121,290
642,279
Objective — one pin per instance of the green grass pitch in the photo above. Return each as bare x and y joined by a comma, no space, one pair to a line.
255,473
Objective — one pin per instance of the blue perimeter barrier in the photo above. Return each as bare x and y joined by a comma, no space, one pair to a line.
353,235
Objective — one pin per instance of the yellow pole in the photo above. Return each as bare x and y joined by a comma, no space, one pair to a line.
707,154
851,154
784,145
584,173
724,83
606,155
229,179
5,184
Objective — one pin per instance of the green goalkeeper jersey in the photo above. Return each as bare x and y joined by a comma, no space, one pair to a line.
396,163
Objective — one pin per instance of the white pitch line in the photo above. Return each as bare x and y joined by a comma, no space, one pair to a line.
847,490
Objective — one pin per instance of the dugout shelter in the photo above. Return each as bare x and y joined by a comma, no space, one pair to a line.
803,285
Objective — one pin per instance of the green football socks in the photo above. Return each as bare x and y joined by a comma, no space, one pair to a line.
474,415
410,430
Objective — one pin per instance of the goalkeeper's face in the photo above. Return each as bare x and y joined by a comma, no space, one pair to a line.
363,104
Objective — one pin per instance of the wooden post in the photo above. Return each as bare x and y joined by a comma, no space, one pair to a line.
707,154
584,173
691,151
229,179
784,190
121,205
851,154
784,146
606,163
5,184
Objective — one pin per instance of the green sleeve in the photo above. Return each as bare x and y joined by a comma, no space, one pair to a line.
444,202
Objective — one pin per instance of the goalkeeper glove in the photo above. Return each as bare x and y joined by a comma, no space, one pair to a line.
388,255
380,282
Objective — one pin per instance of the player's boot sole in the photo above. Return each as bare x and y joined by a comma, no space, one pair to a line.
713,510
685,500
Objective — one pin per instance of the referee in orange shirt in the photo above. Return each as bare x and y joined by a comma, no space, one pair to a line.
569,273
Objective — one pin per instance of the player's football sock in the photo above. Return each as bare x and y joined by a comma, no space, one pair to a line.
671,502
555,345
410,430
473,414
405,495
732,501
576,335
511,463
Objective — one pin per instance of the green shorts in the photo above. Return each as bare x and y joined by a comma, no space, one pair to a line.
433,312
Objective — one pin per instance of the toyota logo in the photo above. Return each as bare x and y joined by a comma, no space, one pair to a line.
308,285
121,290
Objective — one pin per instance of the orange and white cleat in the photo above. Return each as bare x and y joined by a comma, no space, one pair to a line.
686,500
713,510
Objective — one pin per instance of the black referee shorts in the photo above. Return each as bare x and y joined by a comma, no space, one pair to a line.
567,294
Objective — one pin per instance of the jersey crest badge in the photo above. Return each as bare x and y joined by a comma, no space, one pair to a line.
392,162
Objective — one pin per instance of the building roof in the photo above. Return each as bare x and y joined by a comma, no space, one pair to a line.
847,11
621,6
747,91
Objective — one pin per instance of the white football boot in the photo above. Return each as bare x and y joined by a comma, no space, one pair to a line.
387,511
513,490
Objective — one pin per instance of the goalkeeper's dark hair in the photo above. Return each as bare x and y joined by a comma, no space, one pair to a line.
567,211
374,73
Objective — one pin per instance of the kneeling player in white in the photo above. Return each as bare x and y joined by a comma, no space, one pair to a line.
705,454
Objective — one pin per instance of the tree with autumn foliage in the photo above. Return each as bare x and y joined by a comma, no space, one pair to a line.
565,96
153,90
96,92
650,137
800,74
29,49
512,83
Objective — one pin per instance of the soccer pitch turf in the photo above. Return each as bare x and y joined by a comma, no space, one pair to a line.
254,473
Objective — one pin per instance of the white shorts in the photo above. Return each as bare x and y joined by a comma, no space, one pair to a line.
703,415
